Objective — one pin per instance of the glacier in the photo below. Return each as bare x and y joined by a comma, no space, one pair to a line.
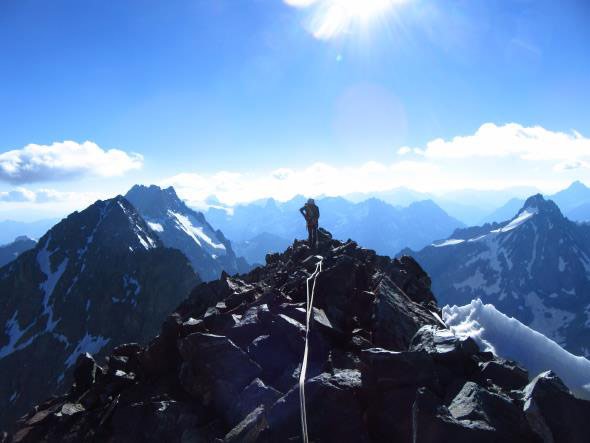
508,338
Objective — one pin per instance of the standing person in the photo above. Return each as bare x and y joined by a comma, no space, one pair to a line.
312,216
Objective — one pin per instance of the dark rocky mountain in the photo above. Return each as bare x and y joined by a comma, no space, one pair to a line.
12,250
97,278
373,223
382,367
180,227
534,267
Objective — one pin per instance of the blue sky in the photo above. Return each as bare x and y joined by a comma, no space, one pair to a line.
244,88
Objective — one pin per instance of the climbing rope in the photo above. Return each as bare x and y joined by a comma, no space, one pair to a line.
309,311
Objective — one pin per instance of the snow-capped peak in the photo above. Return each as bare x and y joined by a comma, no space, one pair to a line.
183,228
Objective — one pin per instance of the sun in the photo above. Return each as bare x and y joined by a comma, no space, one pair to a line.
331,18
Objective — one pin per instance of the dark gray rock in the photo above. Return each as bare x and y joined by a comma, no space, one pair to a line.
433,423
553,413
390,369
250,429
508,375
475,403
253,396
334,410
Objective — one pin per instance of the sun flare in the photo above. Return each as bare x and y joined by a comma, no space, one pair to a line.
331,18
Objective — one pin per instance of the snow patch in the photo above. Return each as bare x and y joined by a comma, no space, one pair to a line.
48,286
525,215
508,338
157,227
561,264
14,332
88,344
449,242
195,232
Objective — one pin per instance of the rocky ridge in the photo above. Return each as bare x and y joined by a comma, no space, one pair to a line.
382,367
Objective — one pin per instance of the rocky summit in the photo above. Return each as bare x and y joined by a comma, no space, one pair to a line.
382,367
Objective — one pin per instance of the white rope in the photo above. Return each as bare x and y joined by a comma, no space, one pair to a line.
309,310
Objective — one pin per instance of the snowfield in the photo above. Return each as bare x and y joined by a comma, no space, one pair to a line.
508,338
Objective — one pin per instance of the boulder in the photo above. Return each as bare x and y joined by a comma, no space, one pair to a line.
390,369
506,374
475,403
250,429
433,423
553,413
334,410
84,372
219,378
452,355
254,395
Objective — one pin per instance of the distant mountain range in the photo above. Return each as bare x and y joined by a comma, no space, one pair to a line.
10,229
98,278
12,250
534,267
180,227
268,226
574,203
470,206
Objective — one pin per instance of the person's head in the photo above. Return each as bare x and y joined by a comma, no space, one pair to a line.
310,201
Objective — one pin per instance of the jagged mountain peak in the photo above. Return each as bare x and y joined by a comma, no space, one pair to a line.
183,228
540,205
154,201
112,223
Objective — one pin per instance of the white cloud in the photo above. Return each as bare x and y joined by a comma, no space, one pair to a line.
300,3
512,141
64,160
18,195
494,157
42,196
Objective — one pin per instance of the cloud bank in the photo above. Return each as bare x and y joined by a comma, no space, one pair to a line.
24,195
64,160
493,157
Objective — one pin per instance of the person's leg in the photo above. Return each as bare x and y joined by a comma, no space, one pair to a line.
310,235
315,235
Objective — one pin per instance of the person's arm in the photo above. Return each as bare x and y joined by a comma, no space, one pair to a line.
302,210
